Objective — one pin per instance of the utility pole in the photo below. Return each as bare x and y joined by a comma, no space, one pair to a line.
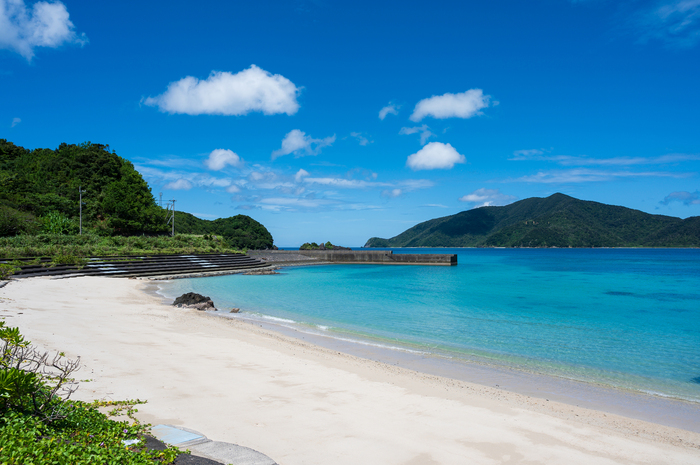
80,195
170,207
161,200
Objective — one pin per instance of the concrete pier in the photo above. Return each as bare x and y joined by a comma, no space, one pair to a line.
375,257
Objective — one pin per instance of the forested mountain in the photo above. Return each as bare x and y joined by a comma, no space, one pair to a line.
555,221
39,193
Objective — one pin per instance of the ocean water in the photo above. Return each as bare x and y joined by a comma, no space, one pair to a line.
625,318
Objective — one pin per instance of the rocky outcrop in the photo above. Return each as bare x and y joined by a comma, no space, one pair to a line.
194,300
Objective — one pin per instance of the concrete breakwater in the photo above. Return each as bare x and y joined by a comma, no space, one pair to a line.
374,257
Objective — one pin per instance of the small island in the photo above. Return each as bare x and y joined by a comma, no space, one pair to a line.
322,246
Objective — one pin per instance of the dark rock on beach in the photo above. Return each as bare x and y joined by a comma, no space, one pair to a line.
194,300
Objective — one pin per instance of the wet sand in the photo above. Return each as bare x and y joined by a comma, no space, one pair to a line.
655,409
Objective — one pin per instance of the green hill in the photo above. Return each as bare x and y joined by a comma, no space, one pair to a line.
39,194
555,221
240,231
43,183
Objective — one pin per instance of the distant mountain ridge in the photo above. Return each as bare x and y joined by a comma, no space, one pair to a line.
554,221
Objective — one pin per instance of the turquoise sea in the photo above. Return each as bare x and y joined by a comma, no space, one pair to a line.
625,318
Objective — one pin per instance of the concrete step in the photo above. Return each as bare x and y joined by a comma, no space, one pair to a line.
146,266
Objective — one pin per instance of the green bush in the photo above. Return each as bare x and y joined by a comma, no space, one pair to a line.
7,270
39,425
66,259
14,222
85,436
57,223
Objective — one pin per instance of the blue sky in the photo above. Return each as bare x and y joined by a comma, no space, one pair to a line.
345,120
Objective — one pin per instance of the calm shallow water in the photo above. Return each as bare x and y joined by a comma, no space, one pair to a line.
626,318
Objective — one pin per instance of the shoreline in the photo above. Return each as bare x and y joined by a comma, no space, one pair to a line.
302,403
650,407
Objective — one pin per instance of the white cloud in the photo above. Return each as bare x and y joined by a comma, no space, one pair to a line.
307,203
391,193
360,138
570,160
233,189
626,161
15,122
365,173
424,131
674,22
487,197
414,184
219,158
587,175
270,180
247,207
464,105
47,24
301,174
180,184
527,154
345,183
256,176
286,187
406,185
297,202
298,143
224,93
390,109
685,197
435,155
170,162
202,180
180,179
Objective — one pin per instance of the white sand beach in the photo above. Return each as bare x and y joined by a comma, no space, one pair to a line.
303,404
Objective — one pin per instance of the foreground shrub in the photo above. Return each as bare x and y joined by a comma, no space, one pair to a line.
33,382
85,436
40,425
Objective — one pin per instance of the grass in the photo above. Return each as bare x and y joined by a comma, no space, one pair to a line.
74,249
